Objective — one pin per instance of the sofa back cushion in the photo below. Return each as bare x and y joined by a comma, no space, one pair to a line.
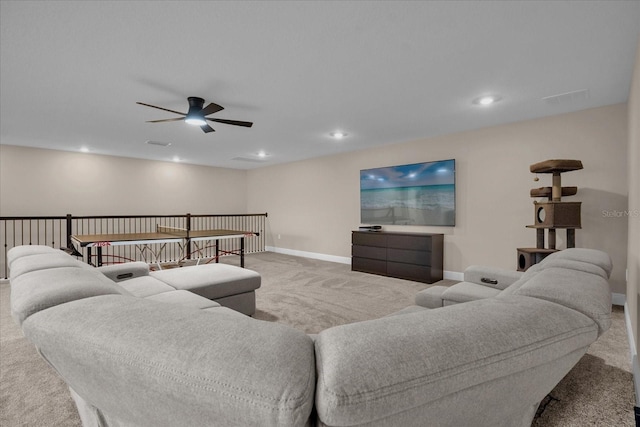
570,264
584,292
44,261
531,272
146,363
591,256
40,289
28,250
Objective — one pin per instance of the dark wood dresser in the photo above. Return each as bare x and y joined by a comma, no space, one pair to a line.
412,256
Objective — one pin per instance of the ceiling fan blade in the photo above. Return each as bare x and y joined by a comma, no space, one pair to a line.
211,108
232,122
207,128
166,120
160,108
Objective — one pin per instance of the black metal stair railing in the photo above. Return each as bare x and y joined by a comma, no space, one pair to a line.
56,232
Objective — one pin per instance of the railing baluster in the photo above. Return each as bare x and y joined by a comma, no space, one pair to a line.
55,231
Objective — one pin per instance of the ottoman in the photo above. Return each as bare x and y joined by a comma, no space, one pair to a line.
228,285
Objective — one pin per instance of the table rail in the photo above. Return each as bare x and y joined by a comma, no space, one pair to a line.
56,232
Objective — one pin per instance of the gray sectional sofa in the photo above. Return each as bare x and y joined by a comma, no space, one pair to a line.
205,286
137,360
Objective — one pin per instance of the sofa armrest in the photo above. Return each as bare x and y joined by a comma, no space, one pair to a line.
431,297
126,271
492,277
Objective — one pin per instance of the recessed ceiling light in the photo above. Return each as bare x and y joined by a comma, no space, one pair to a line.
84,149
262,154
176,158
487,100
338,134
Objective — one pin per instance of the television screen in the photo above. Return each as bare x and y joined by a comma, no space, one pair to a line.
416,194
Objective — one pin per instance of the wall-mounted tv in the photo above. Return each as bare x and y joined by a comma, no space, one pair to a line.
415,194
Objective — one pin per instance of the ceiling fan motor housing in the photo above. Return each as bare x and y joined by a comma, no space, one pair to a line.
195,105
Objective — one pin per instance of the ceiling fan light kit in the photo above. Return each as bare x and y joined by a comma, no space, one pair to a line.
197,115
487,100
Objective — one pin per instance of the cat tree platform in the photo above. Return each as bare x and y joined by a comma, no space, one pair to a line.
546,192
556,166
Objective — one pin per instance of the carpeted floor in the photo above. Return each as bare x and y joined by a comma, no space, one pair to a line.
313,295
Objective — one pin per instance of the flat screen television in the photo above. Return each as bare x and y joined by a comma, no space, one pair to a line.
415,194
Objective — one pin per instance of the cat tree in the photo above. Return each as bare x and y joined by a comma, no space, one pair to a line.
553,213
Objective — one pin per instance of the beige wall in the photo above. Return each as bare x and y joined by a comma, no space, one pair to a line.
313,205
46,182
633,285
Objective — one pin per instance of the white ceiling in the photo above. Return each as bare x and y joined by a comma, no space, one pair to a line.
384,72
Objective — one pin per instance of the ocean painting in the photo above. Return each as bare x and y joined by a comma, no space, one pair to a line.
416,194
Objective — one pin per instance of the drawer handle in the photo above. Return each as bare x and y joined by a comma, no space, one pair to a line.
489,281
124,276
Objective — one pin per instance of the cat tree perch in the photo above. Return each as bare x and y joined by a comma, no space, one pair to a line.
553,213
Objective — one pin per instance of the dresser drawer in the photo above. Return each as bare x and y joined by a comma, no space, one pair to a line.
369,238
409,271
369,265
373,252
409,257
418,243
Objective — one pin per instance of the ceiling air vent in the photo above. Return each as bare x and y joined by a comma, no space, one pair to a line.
247,159
568,97
158,143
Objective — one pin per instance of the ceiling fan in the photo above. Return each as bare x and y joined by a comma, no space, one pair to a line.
197,115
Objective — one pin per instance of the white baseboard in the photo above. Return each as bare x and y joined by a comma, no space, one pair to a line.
312,255
635,365
618,299
451,275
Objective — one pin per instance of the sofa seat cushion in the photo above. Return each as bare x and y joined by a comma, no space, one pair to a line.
212,281
222,309
491,277
44,261
41,289
186,298
145,286
465,292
